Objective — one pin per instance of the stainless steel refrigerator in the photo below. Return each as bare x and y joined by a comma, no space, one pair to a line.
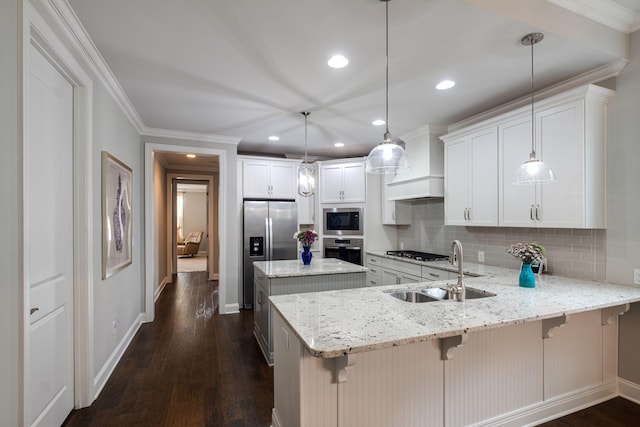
268,236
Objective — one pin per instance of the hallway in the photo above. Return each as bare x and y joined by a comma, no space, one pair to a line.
190,367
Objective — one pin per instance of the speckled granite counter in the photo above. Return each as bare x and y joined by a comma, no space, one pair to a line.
335,323
295,268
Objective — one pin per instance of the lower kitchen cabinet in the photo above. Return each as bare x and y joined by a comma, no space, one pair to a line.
514,375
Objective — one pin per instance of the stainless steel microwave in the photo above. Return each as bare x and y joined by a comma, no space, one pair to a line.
343,221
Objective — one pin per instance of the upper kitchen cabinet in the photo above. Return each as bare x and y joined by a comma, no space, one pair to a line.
342,181
393,212
570,138
471,177
264,178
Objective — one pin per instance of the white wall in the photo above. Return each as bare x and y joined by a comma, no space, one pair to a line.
9,225
160,212
623,204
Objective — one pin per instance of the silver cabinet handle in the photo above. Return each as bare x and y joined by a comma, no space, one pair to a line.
538,212
33,310
393,215
434,274
260,297
469,214
531,213
465,214
373,282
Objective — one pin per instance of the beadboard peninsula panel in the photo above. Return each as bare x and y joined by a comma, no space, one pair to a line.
319,283
399,386
495,372
573,355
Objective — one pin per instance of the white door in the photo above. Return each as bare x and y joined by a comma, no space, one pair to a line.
354,187
284,182
483,183
255,182
331,185
456,198
48,242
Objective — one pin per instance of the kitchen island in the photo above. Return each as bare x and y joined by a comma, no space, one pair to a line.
361,357
291,276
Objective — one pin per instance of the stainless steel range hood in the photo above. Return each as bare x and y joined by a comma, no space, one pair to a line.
425,178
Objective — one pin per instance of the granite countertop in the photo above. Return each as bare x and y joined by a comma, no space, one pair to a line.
470,269
334,323
295,268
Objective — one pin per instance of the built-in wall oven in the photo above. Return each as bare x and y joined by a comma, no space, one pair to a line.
343,221
344,248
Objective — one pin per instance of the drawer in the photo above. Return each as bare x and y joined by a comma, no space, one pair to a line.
376,270
373,260
374,279
433,274
405,267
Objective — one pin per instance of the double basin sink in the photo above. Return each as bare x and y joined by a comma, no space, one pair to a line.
437,294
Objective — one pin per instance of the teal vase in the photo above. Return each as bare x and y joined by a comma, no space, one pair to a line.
306,255
527,278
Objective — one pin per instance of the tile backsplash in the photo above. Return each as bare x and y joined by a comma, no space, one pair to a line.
574,253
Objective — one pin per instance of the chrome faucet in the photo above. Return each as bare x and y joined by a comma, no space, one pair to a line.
459,290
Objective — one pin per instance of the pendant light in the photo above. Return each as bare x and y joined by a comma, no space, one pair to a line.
533,171
387,157
306,180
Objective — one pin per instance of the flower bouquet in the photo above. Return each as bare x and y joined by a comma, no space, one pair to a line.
306,237
527,253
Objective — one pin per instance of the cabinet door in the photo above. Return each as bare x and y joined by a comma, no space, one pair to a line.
390,277
255,179
393,212
561,147
409,278
483,183
516,202
261,316
283,180
331,185
353,183
456,182
374,279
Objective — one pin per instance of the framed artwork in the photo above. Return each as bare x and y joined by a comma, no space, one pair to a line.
116,215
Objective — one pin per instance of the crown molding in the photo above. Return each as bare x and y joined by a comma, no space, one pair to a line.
599,74
75,31
605,12
191,136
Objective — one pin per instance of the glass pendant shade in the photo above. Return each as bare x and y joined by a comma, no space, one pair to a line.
387,158
306,180
533,171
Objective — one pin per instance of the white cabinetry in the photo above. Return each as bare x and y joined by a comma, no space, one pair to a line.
570,139
342,182
471,179
393,212
269,179
374,272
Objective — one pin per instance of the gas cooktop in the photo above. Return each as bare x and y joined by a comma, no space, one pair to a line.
418,256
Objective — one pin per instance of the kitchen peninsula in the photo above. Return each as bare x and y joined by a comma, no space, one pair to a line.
291,276
361,357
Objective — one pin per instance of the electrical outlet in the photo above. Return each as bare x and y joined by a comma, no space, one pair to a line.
480,256
636,276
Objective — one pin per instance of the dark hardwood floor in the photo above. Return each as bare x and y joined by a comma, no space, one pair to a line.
193,367
190,367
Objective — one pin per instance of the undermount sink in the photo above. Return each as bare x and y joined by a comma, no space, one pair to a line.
437,294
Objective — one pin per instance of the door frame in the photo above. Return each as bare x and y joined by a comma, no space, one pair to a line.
172,253
38,34
150,148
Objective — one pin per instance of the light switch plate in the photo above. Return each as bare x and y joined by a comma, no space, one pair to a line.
636,276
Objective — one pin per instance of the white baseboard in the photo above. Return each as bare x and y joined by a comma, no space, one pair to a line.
629,390
103,376
553,408
231,308
160,288
275,421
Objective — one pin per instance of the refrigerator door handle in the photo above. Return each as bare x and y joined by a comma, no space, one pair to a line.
267,240
270,221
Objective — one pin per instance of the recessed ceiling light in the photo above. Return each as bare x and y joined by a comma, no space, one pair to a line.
191,156
445,84
274,138
338,61
378,122
339,144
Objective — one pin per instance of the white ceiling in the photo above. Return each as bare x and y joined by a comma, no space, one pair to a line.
247,68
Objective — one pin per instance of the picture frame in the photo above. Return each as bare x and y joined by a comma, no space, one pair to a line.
117,185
